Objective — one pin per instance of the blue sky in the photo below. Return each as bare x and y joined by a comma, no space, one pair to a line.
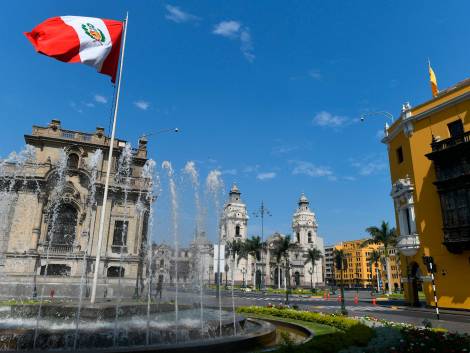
267,92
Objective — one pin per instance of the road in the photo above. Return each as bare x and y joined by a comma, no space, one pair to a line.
388,310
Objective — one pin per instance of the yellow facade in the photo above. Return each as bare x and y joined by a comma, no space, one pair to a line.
423,229
359,272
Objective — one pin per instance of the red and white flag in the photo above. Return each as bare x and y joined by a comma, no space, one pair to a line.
74,39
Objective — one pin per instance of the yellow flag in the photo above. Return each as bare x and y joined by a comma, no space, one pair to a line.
433,81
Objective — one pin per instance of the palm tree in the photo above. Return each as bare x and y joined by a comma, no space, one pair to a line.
234,251
340,260
253,247
387,237
313,255
374,259
282,248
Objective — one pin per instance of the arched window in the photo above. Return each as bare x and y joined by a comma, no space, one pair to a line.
237,230
62,232
309,237
72,161
115,271
298,237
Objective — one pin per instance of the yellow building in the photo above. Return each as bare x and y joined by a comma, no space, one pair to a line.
429,154
359,273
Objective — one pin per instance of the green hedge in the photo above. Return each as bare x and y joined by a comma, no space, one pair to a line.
340,322
352,332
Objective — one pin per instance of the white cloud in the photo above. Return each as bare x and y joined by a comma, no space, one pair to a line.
229,29
327,119
283,149
100,99
141,104
310,169
229,171
266,176
175,14
251,168
89,105
235,30
315,74
369,165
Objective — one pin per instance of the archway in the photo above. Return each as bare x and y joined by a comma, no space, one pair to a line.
415,283
297,278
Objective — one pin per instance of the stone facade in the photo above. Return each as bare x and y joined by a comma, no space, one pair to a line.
50,209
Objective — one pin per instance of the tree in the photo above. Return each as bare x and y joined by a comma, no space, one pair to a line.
282,248
374,259
387,237
340,264
313,255
253,247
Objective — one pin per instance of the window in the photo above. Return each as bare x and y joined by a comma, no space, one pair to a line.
298,237
162,263
55,270
120,236
72,161
455,128
400,155
63,229
309,237
237,230
116,271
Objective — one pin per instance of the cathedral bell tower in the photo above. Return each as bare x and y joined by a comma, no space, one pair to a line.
234,220
304,224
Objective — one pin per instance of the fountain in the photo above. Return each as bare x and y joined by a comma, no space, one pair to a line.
44,298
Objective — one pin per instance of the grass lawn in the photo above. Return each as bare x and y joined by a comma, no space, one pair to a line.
318,329
421,296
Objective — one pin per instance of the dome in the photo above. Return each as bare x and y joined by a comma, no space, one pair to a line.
303,199
234,189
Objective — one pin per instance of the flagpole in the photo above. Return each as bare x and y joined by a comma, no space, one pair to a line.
108,170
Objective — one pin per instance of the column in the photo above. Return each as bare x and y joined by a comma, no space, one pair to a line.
37,223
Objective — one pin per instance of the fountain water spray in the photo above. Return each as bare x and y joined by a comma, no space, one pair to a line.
92,166
214,186
57,193
190,169
174,208
148,175
123,177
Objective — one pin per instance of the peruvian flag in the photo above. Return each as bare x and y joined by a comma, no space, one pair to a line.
74,39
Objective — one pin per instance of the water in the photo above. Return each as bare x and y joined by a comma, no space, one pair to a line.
56,196
148,175
123,177
214,186
21,169
174,215
92,167
190,169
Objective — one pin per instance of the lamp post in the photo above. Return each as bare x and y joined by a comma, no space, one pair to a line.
310,271
261,213
380,112
244,274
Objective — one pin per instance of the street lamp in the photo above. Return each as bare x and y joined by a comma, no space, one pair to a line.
244,274
380,112
261,213
310,271
162,131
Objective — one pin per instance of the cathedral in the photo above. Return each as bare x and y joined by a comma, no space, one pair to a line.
234,226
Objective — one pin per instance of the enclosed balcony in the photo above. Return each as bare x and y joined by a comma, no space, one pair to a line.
408,245
451,159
